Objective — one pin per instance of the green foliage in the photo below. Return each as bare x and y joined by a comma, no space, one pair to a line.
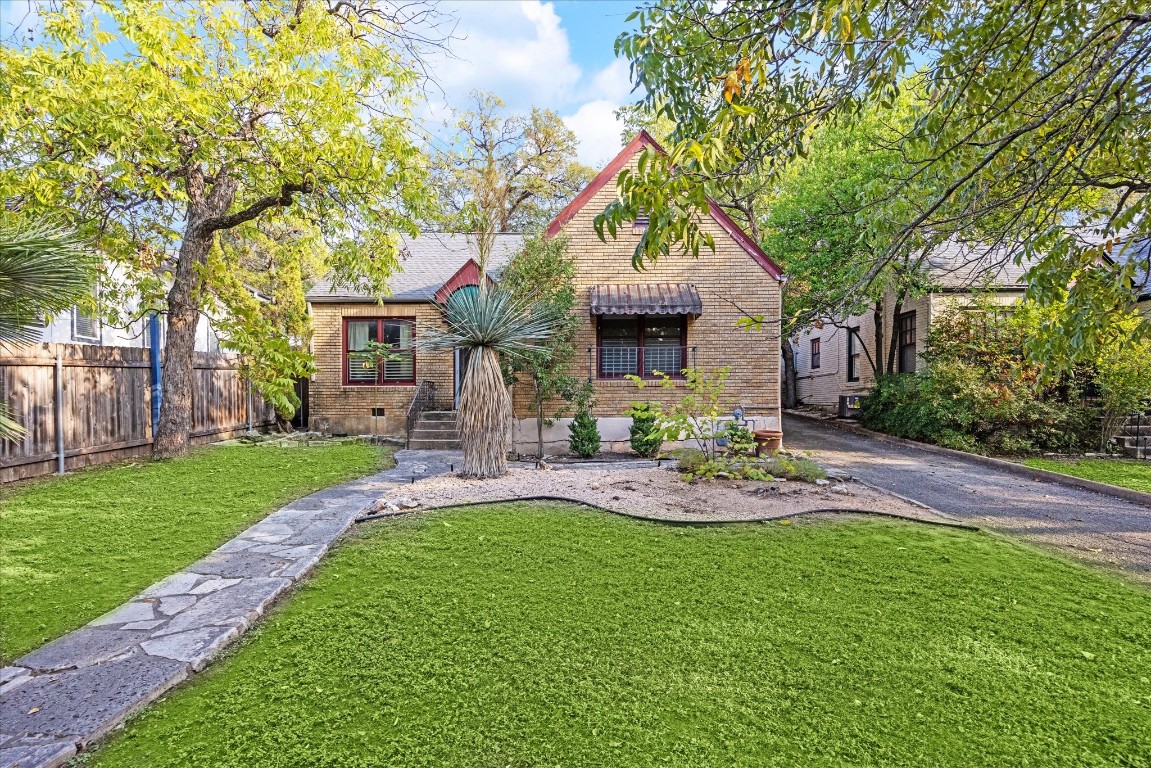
696,415
1123,374
154,127
646,437
690,459
979,392
43,271
584,439
1008,137
76,547
542,274
740,441
518,169
775,640
748,467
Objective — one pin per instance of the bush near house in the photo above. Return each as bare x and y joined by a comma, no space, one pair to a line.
981,391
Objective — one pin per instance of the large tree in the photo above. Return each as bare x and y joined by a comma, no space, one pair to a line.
159,126
1030,116
519,170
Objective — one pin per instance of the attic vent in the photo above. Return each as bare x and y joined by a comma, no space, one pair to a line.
642,219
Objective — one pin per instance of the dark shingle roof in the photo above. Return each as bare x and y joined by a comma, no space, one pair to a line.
959,266
430,260
1137,252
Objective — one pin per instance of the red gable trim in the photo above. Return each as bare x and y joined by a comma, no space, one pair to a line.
467,275
642,140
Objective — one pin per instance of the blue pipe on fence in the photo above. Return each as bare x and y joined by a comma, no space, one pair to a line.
154,367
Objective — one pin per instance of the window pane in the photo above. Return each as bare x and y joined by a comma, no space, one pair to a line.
361,367
619,331
661,331
398,333
400,366
360,332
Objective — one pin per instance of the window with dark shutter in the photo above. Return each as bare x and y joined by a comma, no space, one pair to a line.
905,327
815,353
853,354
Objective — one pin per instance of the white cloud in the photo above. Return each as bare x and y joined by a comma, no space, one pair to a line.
519,51
598,130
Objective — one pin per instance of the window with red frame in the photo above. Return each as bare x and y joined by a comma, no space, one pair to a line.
363,367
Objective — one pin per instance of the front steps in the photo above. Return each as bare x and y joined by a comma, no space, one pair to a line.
435,431
1134,437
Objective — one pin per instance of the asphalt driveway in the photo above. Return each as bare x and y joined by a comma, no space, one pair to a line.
1084,524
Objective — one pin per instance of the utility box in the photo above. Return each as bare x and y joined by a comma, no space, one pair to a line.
849,406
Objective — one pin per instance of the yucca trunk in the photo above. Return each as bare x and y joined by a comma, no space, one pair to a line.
485,416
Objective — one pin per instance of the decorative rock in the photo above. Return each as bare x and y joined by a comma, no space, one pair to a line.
408,503
822,482
841,489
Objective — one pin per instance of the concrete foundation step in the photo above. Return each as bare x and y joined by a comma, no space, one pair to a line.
435,431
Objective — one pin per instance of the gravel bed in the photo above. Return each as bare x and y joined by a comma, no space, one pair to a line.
660,494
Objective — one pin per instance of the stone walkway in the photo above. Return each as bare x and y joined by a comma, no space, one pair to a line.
71,692
57,700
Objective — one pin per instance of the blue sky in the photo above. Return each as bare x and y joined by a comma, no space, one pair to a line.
558,55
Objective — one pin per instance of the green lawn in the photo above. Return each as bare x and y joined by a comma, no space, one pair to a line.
75,547
1128,474
548,635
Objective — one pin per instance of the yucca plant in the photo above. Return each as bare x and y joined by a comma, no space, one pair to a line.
44,270
491,324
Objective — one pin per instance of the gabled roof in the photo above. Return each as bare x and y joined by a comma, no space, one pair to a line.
426,263
1137,251
959,266
468,274
634,147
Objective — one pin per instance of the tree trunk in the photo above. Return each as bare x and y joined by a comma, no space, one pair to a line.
173,431
893,342
877,316
485,416
790,393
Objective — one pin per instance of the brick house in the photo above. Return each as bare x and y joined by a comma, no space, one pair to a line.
836,360
678,313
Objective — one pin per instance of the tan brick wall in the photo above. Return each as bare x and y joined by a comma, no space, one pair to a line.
340,408
822,387
728,280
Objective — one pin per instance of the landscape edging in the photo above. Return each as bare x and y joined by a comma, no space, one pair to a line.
1127,494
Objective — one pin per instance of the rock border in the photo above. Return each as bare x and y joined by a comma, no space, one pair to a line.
1127,494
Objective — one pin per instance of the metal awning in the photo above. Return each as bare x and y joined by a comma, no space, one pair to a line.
646,299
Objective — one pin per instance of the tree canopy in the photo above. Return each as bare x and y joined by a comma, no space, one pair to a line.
1026,118
157,127
519,169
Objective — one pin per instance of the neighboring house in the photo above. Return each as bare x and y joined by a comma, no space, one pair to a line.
836,360
680,312
1138,252
79,327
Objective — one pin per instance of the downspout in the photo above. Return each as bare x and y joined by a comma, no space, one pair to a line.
154,368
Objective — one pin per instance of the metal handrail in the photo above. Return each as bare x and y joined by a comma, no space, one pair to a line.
424,399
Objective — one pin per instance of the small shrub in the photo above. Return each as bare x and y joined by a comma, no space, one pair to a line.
740,441
646,439
691,459
584,430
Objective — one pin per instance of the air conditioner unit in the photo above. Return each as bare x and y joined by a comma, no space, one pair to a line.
849,406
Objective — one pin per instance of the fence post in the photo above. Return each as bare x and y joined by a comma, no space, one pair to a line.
59,415
249,405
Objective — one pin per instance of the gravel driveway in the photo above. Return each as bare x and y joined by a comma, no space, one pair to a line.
1087,525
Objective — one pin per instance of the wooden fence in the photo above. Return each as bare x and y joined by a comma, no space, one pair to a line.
98,401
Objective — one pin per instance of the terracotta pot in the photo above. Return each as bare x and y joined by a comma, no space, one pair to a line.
767,440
